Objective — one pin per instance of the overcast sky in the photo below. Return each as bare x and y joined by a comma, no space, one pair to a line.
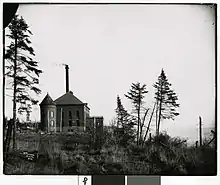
108,47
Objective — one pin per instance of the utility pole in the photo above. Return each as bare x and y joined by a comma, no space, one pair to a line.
200,131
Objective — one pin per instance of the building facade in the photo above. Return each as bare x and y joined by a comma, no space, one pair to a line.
66,114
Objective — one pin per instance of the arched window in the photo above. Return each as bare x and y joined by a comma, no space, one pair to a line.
52,123
51,114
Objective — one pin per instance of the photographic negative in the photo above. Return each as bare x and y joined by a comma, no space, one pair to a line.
100,89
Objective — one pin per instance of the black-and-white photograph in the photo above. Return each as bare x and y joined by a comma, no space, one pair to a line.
100,89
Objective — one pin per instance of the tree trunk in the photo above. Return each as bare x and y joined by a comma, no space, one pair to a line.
159,118
142,124
156,115
14,94
148,127
8,137
138,125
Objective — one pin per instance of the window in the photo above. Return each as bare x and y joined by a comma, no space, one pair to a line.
52,123
77,119
77,114
62,119
70,115
78,123
70,119
51,114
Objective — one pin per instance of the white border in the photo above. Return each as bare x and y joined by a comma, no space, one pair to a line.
194,180
115,1
69,180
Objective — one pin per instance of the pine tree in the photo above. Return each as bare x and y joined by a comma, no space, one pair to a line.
166,100
136,95
122,114
21,68
124,119
125,123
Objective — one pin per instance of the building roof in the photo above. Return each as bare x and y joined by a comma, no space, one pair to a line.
68,99
47,100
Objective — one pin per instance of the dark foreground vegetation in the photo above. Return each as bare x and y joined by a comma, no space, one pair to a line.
75,154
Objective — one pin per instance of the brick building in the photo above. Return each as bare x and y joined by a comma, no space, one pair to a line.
65,114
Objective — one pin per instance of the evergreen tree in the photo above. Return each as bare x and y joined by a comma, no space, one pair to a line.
125,123
21,68
122,114
136,94
166,100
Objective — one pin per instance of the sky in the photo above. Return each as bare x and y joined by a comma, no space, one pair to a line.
109,47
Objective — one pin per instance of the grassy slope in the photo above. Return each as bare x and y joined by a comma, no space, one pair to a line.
65,154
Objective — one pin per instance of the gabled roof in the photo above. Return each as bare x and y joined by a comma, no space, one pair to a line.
47,100
68,99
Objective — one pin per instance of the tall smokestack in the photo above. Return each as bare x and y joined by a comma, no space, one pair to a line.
67,77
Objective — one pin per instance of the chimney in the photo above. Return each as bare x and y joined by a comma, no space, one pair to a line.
67,77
